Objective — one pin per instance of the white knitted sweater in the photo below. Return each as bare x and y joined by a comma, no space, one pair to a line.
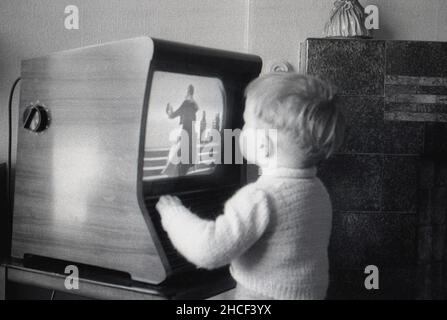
274,233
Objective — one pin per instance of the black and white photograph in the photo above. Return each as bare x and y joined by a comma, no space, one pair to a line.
234,153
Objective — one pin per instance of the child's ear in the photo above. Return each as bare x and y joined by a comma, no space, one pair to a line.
268,144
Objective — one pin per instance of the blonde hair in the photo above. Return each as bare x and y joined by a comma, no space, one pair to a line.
303,108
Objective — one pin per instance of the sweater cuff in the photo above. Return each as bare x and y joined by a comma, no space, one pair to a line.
175,214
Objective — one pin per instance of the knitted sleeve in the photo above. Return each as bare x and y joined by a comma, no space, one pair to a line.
212,244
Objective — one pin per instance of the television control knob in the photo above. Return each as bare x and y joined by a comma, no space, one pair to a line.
36,118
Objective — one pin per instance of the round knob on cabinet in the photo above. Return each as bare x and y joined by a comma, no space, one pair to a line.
36,118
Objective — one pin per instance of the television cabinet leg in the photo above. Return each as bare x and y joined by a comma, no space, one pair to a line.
2,282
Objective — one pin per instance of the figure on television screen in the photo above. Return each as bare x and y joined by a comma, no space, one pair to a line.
202,125
187,114
216,122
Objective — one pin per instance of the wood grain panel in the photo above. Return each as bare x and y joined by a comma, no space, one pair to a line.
88,289
76,193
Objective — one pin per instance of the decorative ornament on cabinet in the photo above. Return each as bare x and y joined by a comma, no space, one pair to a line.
347,19
281,66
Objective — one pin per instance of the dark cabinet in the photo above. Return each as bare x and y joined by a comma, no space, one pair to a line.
389,180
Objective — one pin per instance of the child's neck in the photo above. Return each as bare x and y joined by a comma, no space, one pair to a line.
283,164
290,163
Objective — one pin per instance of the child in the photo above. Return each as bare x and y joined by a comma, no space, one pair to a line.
273,232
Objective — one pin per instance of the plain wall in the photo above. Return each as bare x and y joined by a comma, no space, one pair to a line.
271,28
30,28
277,27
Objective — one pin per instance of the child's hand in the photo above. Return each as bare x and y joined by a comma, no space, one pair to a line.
170,209
168,204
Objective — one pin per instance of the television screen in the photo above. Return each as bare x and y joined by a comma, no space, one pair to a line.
184,123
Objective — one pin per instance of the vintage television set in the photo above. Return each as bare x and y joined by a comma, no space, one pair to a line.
98,130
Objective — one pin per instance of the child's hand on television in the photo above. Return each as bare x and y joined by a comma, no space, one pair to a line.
168,204
170,209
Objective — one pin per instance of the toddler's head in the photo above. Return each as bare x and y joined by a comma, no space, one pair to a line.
300,111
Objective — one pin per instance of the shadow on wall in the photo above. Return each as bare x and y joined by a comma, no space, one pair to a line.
385,32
